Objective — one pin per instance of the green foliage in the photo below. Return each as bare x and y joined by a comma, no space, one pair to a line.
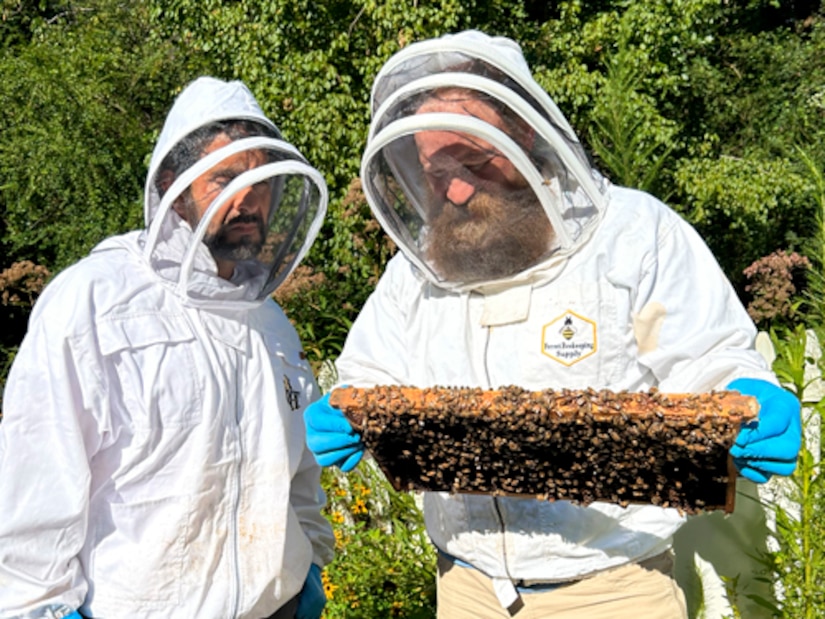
321,317
77,124
744,207
715,85
797,564
700,102
792,359
385,564
310,64
815,243
19,19
763,91
78,107
662,39
758,99
626,133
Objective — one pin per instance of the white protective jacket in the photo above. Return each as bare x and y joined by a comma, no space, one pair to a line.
649,307
152,452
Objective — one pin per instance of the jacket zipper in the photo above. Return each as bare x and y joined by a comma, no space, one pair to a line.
236,499
496,504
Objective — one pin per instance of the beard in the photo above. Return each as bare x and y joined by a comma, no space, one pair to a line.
490,237
246,247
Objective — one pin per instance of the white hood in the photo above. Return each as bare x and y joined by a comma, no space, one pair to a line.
571,193
296,194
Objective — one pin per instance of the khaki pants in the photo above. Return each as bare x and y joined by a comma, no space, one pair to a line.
643,590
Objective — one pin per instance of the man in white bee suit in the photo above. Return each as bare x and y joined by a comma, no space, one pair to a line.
153,460
521,265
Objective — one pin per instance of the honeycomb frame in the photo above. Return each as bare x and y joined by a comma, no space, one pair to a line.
623,447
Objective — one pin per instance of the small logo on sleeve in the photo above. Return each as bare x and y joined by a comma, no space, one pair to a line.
569,338
291,395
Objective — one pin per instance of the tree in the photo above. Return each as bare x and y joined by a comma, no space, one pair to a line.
701,102
79,105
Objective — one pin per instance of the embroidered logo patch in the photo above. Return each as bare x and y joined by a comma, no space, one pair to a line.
291,395
569,338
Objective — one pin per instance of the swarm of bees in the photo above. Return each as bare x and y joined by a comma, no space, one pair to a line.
578,445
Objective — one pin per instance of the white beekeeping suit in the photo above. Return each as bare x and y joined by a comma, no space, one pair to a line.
625,296
152,452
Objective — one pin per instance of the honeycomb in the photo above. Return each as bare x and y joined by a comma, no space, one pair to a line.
623,447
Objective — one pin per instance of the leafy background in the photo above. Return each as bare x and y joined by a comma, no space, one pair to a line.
715,106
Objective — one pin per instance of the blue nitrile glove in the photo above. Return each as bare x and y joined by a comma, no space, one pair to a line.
330,437
769,446
312,598
63,611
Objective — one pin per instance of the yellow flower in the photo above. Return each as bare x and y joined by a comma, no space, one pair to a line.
338,517
362,490
359,507
329,588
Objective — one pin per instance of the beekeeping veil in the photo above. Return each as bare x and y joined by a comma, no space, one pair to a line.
211,126
544,149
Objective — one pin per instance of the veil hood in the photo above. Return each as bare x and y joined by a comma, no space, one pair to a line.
571,193
295,197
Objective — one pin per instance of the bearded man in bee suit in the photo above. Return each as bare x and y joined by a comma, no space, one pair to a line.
522,265
153,460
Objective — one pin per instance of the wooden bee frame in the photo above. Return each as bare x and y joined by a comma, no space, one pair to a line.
579,445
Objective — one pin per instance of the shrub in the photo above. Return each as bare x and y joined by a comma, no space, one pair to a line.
774,282
384,565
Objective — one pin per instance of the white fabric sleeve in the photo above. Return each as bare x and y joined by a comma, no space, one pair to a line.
375,352
48,436
703,336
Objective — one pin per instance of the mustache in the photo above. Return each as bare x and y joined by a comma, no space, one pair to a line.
246,218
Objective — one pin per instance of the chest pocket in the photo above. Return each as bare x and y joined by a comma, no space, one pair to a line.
157,380
576,335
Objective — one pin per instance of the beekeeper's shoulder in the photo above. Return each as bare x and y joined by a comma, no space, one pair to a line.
401,278
638,213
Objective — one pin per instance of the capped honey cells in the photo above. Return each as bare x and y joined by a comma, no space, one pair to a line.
579,445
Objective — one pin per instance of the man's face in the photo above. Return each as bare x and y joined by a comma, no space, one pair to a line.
238,229
486,222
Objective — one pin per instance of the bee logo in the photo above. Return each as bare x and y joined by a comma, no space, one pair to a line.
568,330
569,338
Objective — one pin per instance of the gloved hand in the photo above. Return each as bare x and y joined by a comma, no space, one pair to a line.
770,445
330,437
53,610
312,598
